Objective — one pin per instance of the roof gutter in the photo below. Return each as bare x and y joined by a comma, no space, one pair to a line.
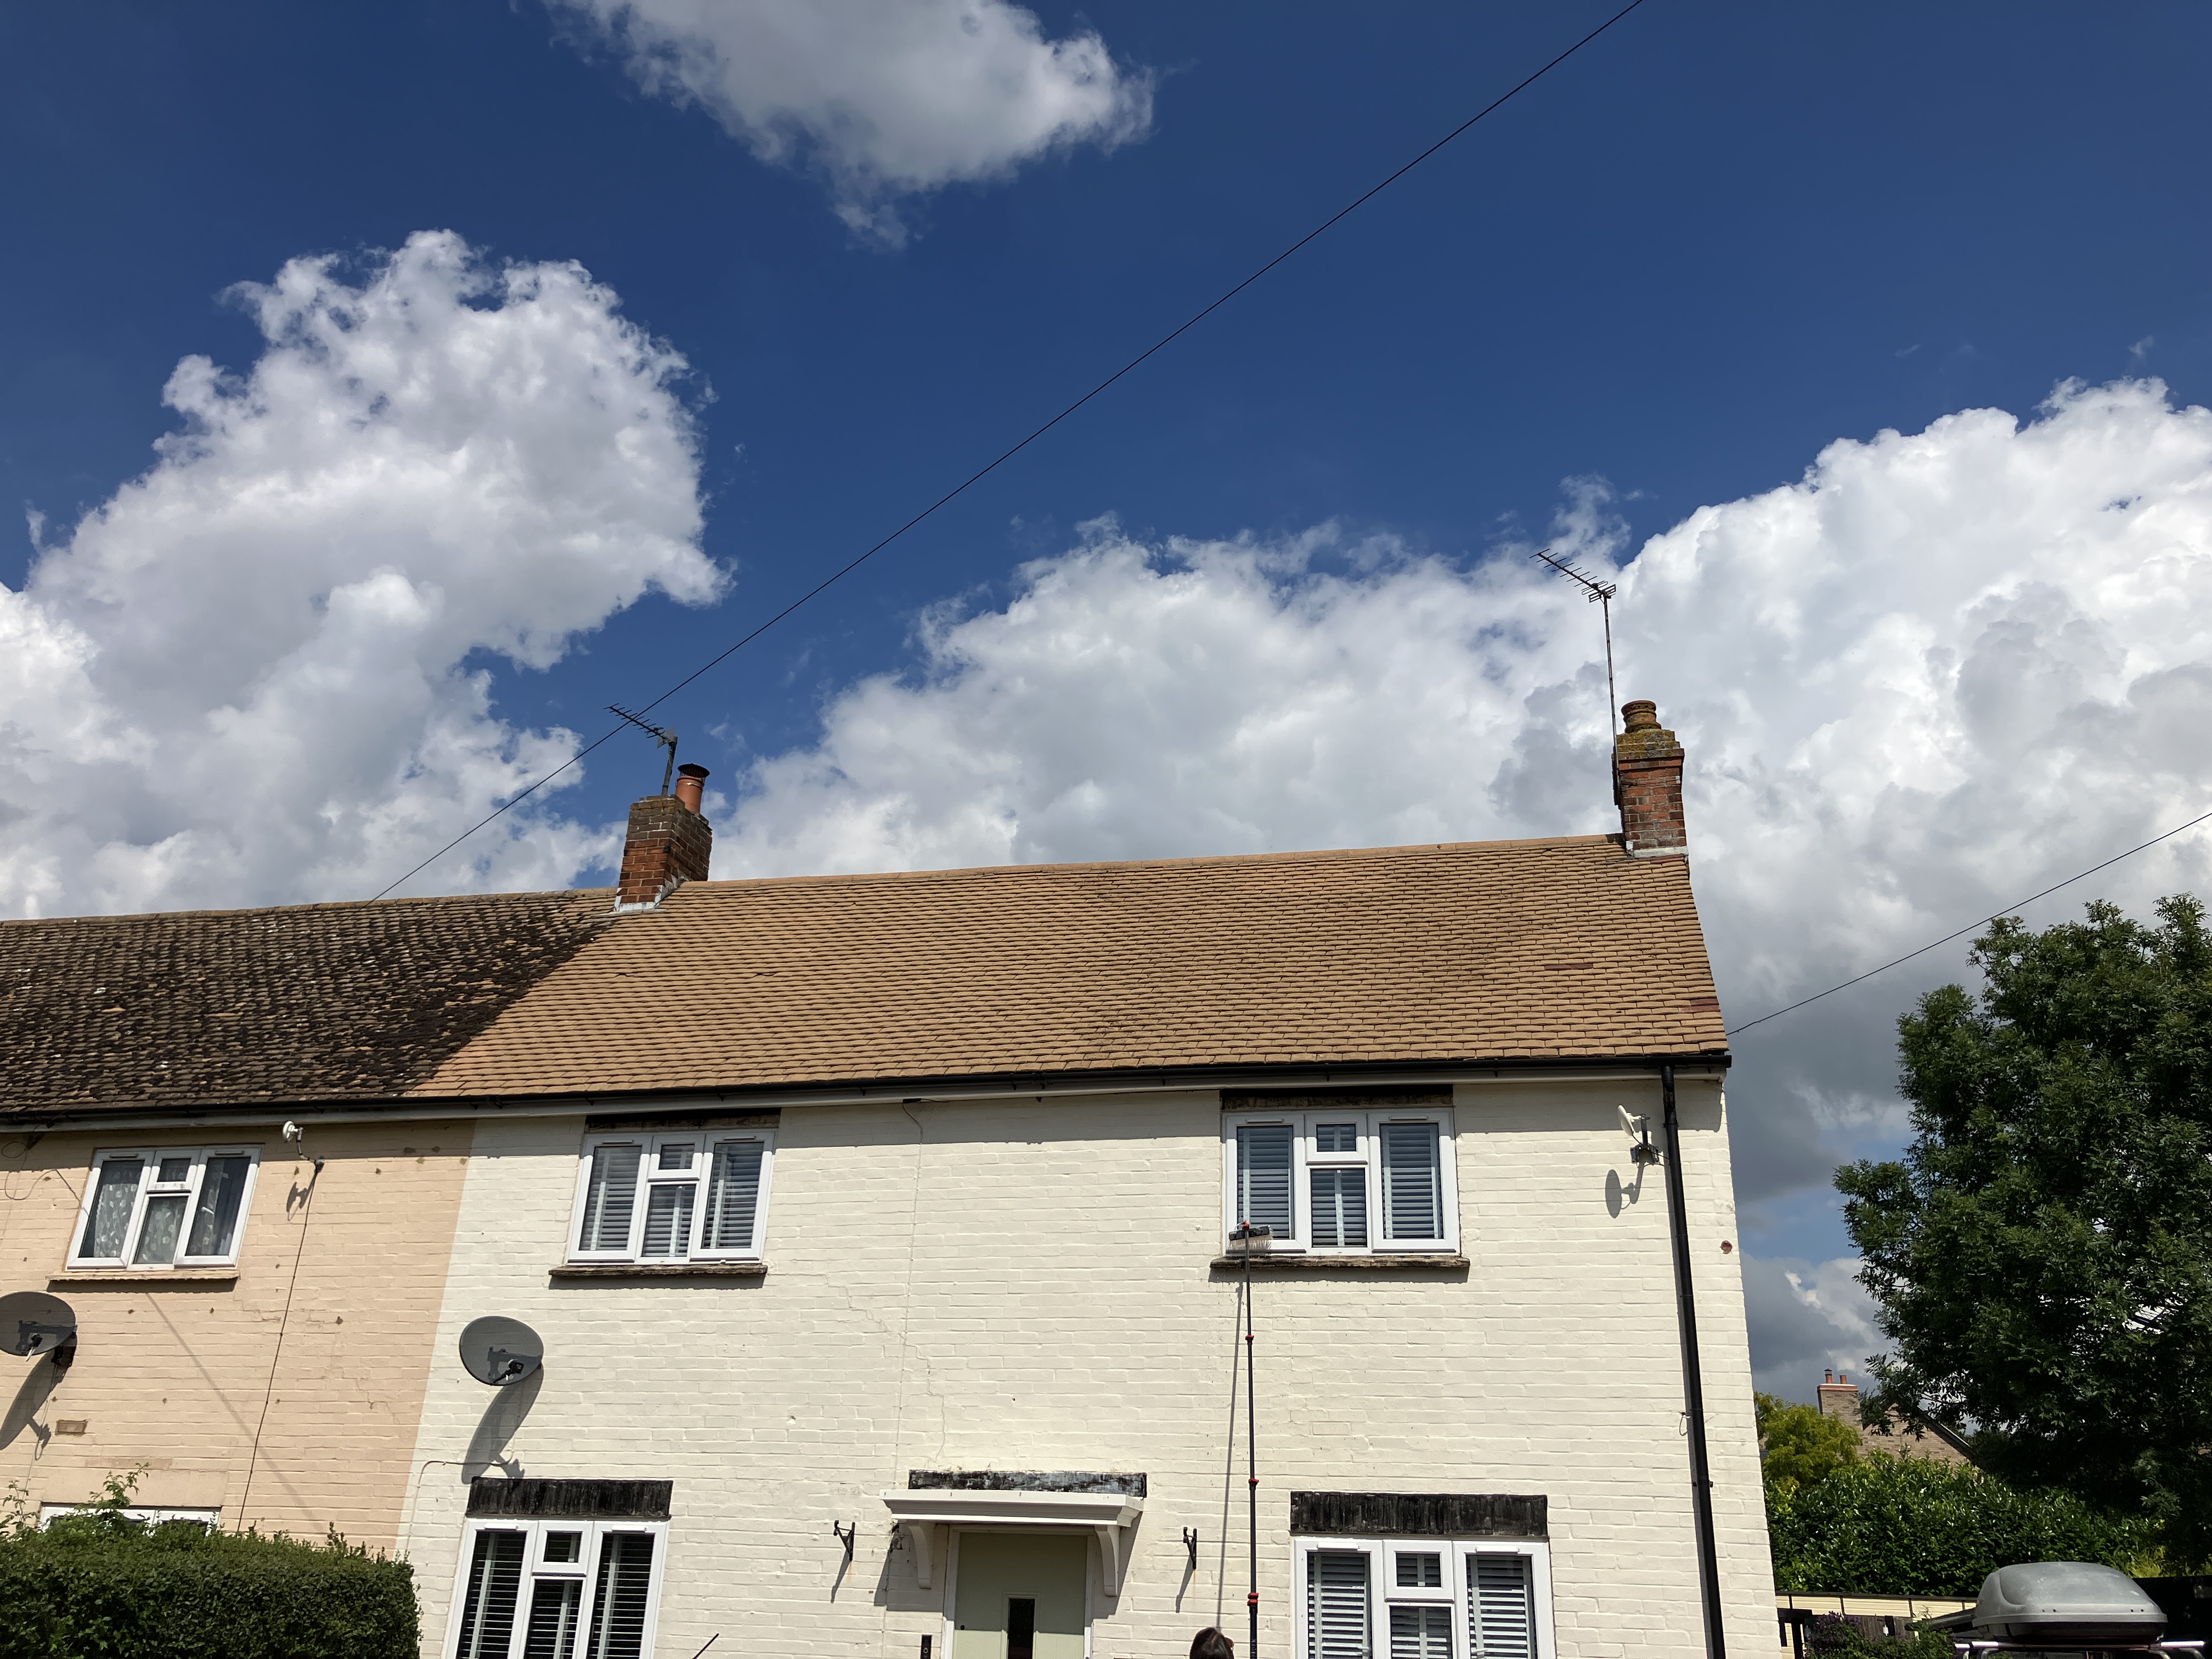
872,1092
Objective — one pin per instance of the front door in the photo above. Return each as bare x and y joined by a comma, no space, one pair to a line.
1019,1595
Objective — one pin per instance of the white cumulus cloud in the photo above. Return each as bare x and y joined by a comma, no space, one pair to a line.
885,101
242,678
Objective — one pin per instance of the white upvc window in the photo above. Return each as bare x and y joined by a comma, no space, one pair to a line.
1357,1181
1423,1598
165,1206
558,1590
673,1196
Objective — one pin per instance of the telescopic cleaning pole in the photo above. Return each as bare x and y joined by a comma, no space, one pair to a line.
1251,1467
1246,1237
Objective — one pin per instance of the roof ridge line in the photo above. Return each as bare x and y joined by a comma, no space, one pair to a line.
1314,855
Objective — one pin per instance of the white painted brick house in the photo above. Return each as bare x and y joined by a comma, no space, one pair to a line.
903,1205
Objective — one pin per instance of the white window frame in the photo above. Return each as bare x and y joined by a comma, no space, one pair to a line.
535,1567
1457,1592
1305,1158
697,1174
149,1186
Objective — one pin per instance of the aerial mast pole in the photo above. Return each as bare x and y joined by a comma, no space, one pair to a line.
1602,595
661,735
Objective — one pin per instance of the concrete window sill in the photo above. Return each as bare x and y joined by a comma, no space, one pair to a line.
141,1278
569,1270
1392,1263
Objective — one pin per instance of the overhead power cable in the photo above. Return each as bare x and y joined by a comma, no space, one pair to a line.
2022,904
984,471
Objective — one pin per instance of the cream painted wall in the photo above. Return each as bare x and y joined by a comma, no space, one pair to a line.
1026,1286
177,1377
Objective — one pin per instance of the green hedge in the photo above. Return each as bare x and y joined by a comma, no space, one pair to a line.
1910,1526
95,1585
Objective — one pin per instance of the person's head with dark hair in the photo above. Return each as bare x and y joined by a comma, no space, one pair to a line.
1210,1644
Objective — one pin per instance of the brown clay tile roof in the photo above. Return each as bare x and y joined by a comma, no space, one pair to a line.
1558,949
313,1002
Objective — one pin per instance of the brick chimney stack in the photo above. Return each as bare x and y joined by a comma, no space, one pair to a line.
1647,765
669,843
1839,1397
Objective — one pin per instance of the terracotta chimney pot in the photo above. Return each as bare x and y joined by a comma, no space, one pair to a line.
691,784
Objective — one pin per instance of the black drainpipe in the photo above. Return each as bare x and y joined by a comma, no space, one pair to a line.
1693,1380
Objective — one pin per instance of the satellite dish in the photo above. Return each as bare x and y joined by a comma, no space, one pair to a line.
33,1322
500,1351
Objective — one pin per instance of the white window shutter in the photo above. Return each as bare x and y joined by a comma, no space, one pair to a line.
668,1219
732,1197
1501,1614
618,1603
611,1198
1412,1181
1263,1177
495,1584
556,1608
1336,1605
1420,1633
1340,1208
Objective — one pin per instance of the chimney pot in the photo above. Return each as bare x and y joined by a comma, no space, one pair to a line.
691,784
1647,776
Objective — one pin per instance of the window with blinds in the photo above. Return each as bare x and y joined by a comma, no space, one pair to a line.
559,1589
1427,1599
1501,1609
1346,1180
671,1197
1337,1618
167,1207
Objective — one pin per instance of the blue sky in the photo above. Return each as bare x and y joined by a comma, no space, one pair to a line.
1667,278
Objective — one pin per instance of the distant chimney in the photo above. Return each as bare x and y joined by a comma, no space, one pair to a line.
1647,765
669,843
1839,1397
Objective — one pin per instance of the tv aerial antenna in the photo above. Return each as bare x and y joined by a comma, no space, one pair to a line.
661,734
1598,593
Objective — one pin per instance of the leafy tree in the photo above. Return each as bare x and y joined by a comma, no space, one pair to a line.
2042,1258
1911,1526
1801,1444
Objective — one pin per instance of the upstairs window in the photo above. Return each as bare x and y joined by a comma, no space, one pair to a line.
673,1196
1351,1180
165,1206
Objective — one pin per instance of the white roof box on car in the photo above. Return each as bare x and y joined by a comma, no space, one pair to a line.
2060,1605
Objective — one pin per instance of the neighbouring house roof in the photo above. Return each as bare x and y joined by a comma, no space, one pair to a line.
1550,950
318,1002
